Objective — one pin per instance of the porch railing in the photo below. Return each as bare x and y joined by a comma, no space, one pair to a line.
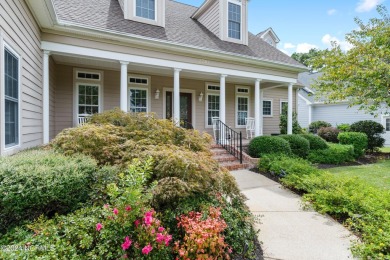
229,139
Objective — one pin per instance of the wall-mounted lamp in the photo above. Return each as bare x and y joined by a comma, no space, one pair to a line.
201,96
157,94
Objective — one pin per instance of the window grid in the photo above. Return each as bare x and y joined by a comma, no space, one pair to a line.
213,87
267,108
242,110
140,81
11,96
138,100
145,9
87,75
234,21
88,99
387,124
213,103
283,107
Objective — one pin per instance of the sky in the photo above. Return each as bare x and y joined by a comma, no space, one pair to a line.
305,24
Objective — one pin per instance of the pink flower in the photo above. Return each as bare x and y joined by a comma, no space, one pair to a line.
146,250
116,211
106,206
99,226
168,239
161,229
136,223
126,244
153,231
160,238
128,208
148,219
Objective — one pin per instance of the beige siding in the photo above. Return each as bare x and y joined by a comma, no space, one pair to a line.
210,19
52,82
63,98
20,31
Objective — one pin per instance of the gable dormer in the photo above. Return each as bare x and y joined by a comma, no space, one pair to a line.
270,37
144,11
227,19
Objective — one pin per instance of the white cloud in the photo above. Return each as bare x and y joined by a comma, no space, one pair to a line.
367,5
332,11
327,39
289,46
305,47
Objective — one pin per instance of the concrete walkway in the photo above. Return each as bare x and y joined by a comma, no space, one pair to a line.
287,231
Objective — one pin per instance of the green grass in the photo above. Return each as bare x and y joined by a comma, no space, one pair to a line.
377,174
385,149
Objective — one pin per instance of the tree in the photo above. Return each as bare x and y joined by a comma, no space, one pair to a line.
362,75
305,58
297,129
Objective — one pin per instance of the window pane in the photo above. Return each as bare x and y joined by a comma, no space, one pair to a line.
138,100
242,110
88,99
387,124
267,108
234,21
213,107
145,9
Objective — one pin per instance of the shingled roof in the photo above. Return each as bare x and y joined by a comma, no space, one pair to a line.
180,28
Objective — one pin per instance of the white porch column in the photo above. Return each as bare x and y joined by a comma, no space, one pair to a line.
310,113
258,107
261,112
123,92
176,96
46,98
290,110
222,99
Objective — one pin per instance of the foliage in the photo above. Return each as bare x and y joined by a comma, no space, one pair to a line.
299,145
316,142
262,145
373,130
335,154
305,58
329,134
344,127
358,140
297,129
203,237
360,75
316,125
36,182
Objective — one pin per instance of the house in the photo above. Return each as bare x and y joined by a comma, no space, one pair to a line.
310,110
62,59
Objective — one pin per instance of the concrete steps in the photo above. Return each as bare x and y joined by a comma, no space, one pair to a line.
227,160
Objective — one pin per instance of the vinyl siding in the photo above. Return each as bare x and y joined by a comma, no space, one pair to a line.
303,113
210,19
20,31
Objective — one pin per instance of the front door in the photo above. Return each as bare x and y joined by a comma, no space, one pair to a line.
185,108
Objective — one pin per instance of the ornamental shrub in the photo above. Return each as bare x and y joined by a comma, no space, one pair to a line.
335,154
358,140
316,125
297,129
262,145
344,127
329,134
373,130
299,145
281,165
316,142
37,182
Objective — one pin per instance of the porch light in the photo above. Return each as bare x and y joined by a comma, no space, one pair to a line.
157,94
200,96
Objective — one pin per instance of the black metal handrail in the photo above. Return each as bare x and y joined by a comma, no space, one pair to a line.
229,139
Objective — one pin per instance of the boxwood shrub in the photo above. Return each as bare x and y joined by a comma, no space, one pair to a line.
299,145
373,130
39,182
358,140
316,142
335,154
262,145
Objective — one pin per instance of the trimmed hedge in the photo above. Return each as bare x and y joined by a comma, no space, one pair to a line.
335,154
299,145
314,126
316,142
329,134
37,182
282,165
358,140
263,145
373,130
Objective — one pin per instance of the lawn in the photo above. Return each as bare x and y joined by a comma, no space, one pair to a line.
377,174
385,149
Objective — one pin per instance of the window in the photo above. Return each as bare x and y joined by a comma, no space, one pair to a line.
138,100
138,80
88,99
212,87
88,75
283,107
146,9
267,108
242,110
234,21
11,96
212,107
387,124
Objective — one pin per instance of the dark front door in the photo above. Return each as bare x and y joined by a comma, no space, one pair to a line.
185,108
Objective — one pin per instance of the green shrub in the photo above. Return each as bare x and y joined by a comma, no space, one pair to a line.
299,145
329,134
358,140
373,130
335,154
262,145
344,127
39,182
282,165
316,142
314,126
297,129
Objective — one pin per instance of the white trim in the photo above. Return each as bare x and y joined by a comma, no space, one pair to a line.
235,2
272,106
77,82
208,93
191,91
138,86
46,97
135,59
241,95
147,20
304,99
4,45
280,105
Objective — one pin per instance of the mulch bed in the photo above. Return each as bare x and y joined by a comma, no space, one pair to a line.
368,158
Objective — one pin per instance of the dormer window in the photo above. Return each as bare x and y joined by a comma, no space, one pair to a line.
146,9
234,21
